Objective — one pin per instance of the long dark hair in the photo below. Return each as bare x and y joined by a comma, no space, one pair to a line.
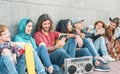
40,21
62,26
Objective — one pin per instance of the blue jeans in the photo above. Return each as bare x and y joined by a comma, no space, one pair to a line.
84,52
21,64
57,57
88,43
100,45
6,65
70,47
45,58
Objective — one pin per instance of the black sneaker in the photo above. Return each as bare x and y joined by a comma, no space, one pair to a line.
102,67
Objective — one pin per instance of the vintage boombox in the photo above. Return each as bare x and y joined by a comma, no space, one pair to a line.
79,65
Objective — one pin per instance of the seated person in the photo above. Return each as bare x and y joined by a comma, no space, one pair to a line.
100,42
45,35
109,36
9,52
23,35
64,26
78,24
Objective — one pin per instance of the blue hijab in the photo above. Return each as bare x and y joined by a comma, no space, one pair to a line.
21,36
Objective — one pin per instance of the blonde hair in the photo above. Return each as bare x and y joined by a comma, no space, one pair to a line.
2,28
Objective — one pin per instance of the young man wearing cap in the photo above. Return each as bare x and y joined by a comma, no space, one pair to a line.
87,42
78,25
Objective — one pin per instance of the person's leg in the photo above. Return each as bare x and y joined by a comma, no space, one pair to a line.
8,66
57,57
3,70
38,64
84,52
88,43
56,69
98,66
21,64
99,43
44,55
70,47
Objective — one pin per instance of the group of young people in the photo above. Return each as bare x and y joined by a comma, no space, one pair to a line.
50,47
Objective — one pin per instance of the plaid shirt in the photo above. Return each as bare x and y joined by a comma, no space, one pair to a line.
16,49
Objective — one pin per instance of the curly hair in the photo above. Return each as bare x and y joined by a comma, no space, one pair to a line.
62,26
41,19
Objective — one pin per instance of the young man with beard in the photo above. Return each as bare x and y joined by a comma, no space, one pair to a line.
45,35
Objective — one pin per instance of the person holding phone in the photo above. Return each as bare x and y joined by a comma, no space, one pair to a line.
45,35
100,43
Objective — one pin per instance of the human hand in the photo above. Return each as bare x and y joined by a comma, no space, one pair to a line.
79,41
60,43
14,58
82,35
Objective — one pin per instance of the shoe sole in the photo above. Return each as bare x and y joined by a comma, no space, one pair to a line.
110,61
102,70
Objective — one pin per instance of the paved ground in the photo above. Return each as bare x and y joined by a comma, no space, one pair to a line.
115,69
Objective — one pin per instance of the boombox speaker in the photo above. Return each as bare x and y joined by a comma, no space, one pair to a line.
78,65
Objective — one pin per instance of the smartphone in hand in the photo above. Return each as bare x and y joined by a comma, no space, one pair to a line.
61,36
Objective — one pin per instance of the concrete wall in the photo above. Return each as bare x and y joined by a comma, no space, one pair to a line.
11,11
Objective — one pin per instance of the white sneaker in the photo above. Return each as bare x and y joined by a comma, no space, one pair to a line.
101,59
108,58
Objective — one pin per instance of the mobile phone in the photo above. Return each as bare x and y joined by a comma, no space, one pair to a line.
61,36
103,31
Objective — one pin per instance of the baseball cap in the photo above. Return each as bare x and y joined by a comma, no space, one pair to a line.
115,20
76,20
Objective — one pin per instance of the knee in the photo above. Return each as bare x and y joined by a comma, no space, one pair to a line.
89,39
60,50
73,40
102,38
86,39
41,48
56,68
6,51
84,50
